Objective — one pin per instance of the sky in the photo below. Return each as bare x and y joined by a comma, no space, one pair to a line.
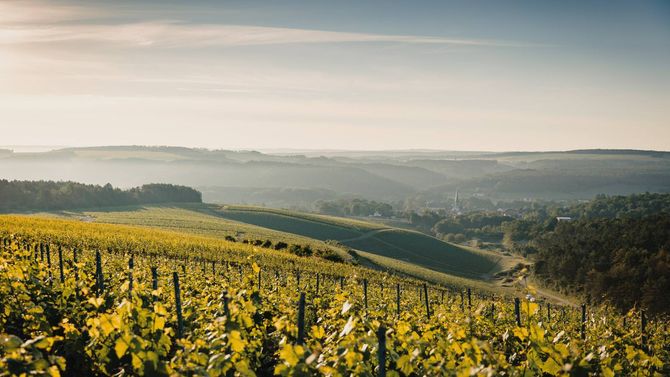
363,75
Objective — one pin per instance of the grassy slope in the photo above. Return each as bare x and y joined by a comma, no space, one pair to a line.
403,245
325,220
192,219
286,223
420,249
409,269
405,251
208,220
149,241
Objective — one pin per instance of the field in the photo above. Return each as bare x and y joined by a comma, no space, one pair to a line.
404,245
316,226
196,219
408,252
378,262
158,302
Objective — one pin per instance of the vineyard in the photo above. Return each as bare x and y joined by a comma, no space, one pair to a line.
401,244
81,299
211,221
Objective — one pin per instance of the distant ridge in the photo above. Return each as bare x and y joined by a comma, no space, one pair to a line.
415,179
271,151
628,152
622,151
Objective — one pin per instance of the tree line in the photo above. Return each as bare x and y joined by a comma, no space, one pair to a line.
354,207
517,229
624,261
50,195
613,248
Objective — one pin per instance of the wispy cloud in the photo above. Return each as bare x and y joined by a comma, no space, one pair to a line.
38,22
26,22
177,34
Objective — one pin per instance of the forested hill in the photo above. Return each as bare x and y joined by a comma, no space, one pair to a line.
625,261
50,195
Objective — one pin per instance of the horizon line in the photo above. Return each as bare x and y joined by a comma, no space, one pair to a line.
52,148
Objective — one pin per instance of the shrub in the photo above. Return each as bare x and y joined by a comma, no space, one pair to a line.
330,255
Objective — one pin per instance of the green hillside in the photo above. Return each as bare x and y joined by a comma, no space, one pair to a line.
321,227
193,219
408,246
379,246
423,250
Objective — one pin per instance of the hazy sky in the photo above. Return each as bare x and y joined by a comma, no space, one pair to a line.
467,75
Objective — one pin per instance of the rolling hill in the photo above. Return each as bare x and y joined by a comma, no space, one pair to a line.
399,244
377,246
299,179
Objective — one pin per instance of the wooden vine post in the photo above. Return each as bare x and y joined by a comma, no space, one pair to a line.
381,351
48,252
60,264
365,293
301,319
425,294
100,285
154,278
131,266
75,267
397,298
517,311
317,283
177,299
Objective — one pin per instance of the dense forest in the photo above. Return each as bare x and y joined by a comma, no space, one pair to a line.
625,261
521,234
517,226
613,248
49,195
